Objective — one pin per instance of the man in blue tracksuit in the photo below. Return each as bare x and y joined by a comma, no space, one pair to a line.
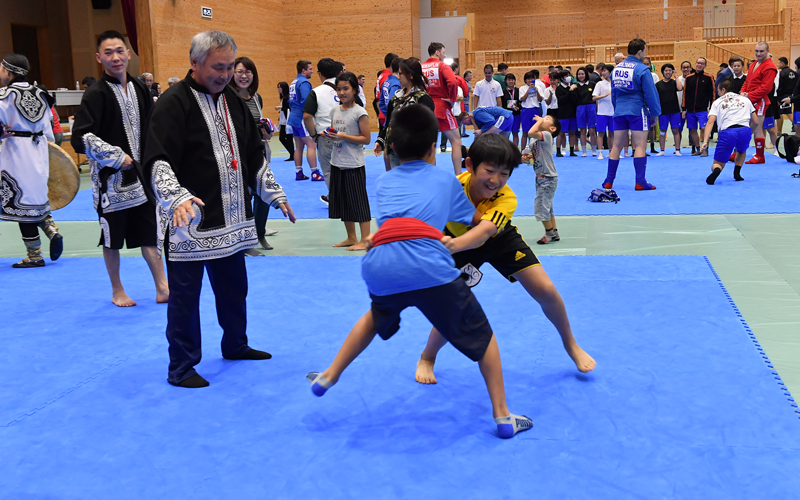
636,104
298,93
490,120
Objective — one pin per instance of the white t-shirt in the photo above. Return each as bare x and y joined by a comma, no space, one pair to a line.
457,108
681,79
550,91
488,92
532,101
604,106
732,109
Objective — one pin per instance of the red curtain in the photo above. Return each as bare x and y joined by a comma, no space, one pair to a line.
129,13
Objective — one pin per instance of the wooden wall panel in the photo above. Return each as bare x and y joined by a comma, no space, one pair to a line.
490,16
257,26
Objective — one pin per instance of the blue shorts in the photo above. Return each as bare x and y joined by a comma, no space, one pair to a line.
769,122
695,119
796,117
587,116
568,124
632,122
605,124
516,120
730,139
527,117
300,130
674,121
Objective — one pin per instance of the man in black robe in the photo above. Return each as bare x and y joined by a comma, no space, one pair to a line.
109,129
202,153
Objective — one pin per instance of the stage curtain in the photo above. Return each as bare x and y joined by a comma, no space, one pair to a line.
129,13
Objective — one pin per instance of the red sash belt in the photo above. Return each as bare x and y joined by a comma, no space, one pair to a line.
405,228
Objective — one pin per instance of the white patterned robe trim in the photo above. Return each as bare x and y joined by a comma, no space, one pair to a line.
117,197
268,190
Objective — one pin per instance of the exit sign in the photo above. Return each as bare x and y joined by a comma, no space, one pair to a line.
205,12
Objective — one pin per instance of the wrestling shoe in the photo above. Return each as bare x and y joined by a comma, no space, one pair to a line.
755,160
733,156
512,424
324,199
300,176
644,187
316,175
704,153
608,185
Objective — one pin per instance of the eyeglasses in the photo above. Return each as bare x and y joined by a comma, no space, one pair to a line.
239,72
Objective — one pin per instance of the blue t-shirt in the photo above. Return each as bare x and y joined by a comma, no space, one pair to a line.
489,116
298,93
431,194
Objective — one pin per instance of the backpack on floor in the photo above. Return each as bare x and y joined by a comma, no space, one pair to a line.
603,196
790,144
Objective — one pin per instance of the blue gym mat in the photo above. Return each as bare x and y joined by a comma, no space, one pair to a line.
683,403
680,183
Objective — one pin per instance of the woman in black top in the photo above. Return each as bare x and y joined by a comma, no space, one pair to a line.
286,139
586,110
414,92
567,96
245,81
668,89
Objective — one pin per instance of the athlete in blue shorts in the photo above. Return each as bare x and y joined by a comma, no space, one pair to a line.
490,120
298,93
734,115
636,102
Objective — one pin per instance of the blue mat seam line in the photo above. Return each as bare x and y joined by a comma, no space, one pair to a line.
749,331
68,391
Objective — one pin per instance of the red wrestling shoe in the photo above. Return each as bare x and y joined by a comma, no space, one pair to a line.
733,156
316,175
300,176
607,185
755,159
646,187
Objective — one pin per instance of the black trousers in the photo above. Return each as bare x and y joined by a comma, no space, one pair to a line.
29,230
228,278
261,214
287,140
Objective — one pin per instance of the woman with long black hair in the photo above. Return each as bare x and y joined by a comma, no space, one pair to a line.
285,135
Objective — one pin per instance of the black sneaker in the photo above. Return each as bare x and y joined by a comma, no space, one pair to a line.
443,149
324,199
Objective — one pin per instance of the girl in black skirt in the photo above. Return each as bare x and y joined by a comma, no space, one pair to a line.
348,181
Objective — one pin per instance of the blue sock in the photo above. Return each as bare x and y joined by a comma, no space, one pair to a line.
319,384
512,424
612,171
640,166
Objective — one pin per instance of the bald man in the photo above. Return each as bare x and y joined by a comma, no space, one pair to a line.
757,88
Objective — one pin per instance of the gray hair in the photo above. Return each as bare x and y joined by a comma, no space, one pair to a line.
173,79
617,56
207,41
144,75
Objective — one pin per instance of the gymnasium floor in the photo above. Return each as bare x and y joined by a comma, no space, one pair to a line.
685,402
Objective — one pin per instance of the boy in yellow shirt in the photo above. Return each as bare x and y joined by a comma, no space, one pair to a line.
493,239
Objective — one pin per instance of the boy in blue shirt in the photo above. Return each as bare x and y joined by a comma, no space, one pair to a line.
408,266
636,104
490,120
390,86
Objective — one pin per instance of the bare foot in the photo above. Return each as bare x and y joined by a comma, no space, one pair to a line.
583,361
361,245
424,373
162,296
345,243
121,299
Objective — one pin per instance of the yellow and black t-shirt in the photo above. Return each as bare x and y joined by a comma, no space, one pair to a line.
498,209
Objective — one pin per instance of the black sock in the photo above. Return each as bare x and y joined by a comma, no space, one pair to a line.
193,382
713,177
737,170
571,149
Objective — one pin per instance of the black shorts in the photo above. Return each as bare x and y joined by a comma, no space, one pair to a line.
135,227
451,308
552,112
507,252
